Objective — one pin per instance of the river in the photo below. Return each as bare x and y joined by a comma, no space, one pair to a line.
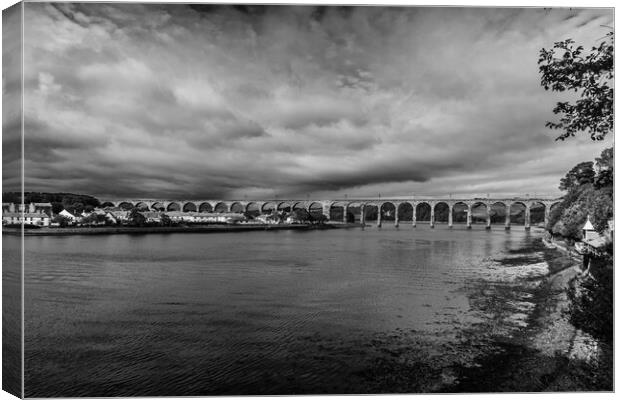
275,312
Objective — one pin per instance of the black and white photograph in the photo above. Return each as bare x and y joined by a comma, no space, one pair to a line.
206,199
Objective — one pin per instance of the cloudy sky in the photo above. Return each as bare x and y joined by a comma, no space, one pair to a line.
177,101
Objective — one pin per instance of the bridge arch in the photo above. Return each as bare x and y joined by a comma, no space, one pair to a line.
538,213
404,211
237,207
298,205
370,212
107,204
268,207
423,210
221,207
338,211
125,205
315,209
387,211
158,206
354,212
253,209
189,207
460,211
480,213
498,212
518,210
284,206
142,206
173,206
442,212
205,207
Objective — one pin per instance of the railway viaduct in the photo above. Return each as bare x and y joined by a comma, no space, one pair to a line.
358,208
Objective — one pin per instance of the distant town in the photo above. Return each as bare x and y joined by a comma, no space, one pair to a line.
36,215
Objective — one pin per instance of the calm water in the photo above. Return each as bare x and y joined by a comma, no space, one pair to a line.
251,312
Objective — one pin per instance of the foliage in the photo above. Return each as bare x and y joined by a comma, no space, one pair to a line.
165,220
74,203
555,215
61,220
572,221
601,208
302,215
589,192
591,300
566,68
605,169
318,219
135,217
580,174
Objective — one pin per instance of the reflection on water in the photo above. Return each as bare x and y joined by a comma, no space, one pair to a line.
245,313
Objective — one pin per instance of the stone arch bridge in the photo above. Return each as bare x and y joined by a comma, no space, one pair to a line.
358,209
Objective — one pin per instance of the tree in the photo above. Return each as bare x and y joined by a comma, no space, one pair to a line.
165,220
605,169
601,208
581,174
302,215
61,220
591,306
57,207
566,67
319,219
135,217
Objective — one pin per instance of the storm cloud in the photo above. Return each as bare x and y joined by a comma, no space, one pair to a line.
177,101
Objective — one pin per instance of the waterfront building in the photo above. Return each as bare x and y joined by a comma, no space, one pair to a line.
117,217
272,219
593,243
28,218
29,208
199,217
68,215
151,216
29,214
43,207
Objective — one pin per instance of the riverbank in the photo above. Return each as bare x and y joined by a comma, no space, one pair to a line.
106,230
550,354
523,341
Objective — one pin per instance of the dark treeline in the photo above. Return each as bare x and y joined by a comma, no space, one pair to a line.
74,203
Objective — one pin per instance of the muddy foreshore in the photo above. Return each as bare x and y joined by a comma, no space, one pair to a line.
550,354
525,343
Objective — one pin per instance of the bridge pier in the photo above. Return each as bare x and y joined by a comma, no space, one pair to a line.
507,226
488,207
450,222
396,219
527,218
469,216
413,216
432,221
345,211
362,216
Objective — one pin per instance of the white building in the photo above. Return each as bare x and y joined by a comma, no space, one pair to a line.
151,216
68,215
28,218
200,217
117,217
